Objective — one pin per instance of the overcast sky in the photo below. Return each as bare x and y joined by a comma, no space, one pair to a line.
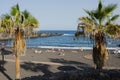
56,14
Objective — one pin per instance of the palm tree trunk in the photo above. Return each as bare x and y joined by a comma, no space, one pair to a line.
2,60
17,65
100,54
19,48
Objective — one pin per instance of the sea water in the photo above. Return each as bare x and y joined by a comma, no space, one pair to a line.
65,41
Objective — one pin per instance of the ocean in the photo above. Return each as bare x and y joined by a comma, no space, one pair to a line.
65,41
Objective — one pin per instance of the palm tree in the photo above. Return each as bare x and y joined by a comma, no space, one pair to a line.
95,27
19,46
21,21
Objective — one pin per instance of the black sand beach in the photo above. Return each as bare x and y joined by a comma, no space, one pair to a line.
49,64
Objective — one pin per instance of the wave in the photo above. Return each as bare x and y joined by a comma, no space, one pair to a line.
85,48
58,47
68,34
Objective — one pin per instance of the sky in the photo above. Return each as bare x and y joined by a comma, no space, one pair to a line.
56,14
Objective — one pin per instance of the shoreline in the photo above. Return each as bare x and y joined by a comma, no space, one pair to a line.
68,48
85,48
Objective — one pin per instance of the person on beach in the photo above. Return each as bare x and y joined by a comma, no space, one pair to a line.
60,52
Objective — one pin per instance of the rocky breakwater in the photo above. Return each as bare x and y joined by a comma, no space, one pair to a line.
5,38
49,34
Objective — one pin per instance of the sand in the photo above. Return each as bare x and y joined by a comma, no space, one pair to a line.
39,62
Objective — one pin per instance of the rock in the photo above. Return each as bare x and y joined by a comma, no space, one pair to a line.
32,36
49,34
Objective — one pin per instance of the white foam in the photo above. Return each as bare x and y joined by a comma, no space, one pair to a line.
67,34
85,48
58,47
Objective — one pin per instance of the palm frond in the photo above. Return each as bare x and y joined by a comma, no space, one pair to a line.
26,14
100,6
33,21
110,8
88,12
115,17
112,29
15,10
6,16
